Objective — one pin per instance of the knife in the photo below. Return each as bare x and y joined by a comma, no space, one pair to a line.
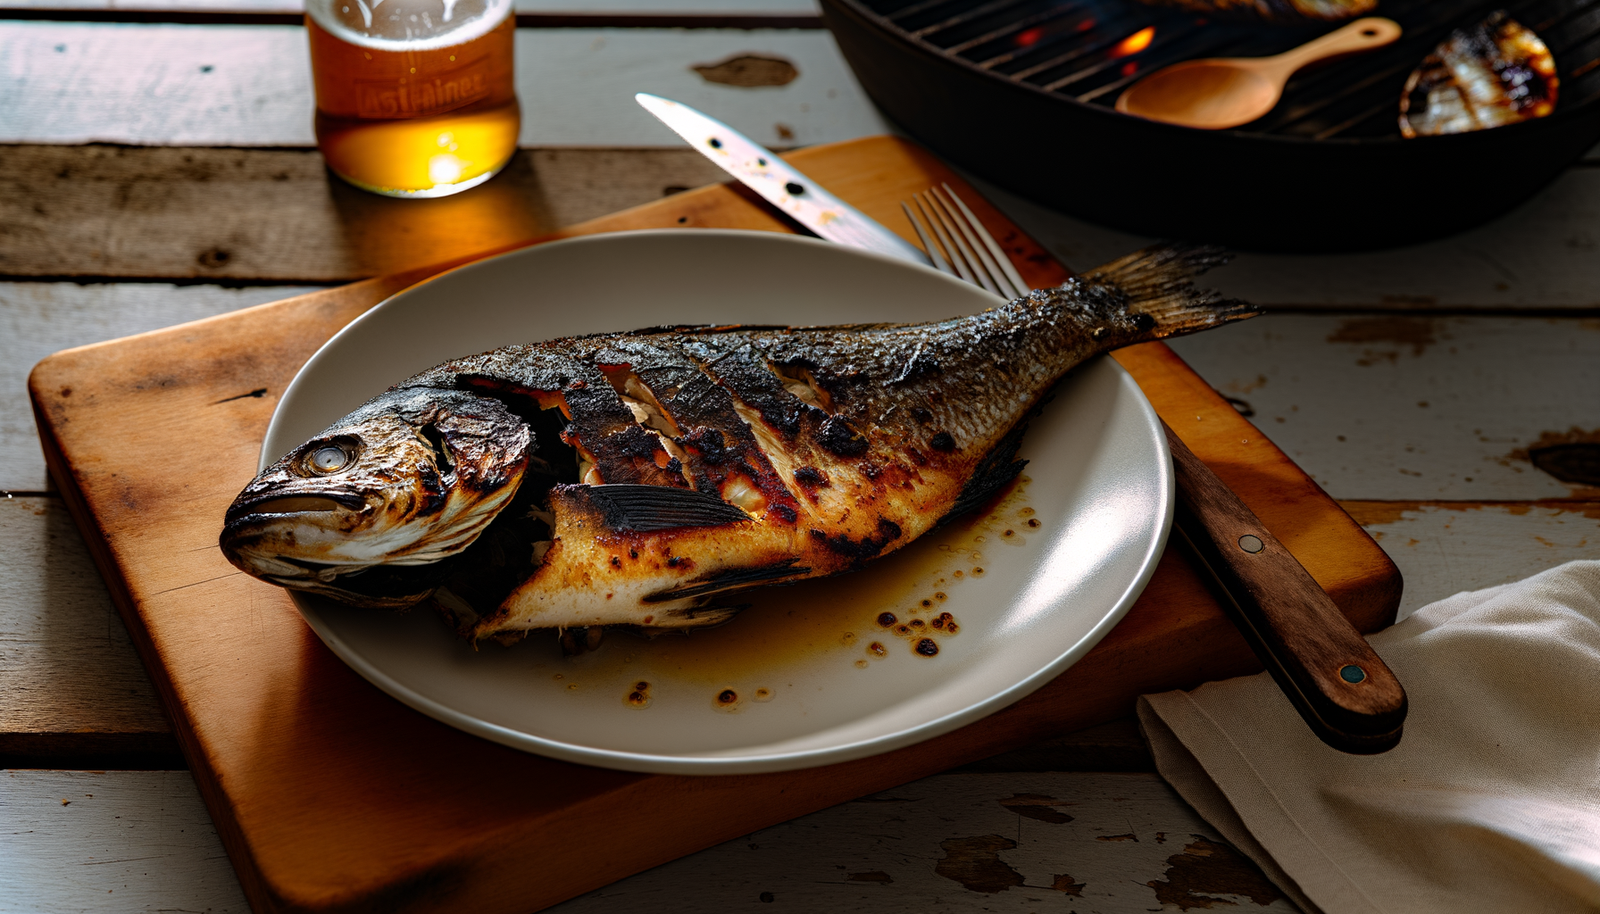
1343,691
780,184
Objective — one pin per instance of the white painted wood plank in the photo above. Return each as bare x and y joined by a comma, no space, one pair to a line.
110,841
220,85
1443,549
1544,254
1104,843
1108,843
1408,406
66,662
37,319
546,7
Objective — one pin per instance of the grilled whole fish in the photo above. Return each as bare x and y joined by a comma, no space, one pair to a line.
633,478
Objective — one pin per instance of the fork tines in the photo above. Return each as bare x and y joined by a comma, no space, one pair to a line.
963,247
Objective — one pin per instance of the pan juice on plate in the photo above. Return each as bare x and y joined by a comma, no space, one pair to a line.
415,98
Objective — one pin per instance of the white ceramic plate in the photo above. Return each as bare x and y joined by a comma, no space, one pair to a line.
1033,584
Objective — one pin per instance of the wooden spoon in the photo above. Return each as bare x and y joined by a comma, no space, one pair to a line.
1225,92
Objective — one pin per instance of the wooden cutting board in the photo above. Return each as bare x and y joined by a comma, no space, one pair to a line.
331,796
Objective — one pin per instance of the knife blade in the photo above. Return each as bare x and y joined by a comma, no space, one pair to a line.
1343,691
779,183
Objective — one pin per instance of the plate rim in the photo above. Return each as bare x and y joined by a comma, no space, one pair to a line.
721,761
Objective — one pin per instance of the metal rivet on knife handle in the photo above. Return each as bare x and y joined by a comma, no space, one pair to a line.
1352,673
1251,543
794,188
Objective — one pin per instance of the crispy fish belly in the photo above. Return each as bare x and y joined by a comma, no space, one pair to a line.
659,472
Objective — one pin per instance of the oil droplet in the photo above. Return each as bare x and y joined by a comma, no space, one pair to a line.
726,700
861,664
941,596
1026,512
887,619
558,677
1009,533
958,574
572,687
763,694
943,621
977,572
1033,522
927,647
917,624
642,686
980,539
877,649
927,603
902,629
848,638
638,698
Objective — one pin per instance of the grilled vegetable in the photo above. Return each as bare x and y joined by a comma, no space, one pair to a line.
1286,12
634,478
1492,74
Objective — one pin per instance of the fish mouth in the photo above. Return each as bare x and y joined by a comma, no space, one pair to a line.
321,502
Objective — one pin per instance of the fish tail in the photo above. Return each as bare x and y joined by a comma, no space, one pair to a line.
1159,281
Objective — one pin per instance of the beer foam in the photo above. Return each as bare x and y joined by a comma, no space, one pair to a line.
408,25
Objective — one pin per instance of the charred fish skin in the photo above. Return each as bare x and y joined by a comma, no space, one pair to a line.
706,460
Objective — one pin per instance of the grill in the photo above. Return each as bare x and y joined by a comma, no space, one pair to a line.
1021,92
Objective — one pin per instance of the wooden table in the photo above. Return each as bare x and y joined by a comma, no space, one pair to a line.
159,167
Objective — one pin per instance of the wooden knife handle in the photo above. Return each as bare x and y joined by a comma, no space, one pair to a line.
1345,692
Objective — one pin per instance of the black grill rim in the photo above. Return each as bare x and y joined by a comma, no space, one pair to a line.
893,31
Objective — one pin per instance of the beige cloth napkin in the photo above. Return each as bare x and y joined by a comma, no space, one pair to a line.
1490,803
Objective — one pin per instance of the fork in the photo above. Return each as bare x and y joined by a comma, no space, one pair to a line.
1342,689
964,247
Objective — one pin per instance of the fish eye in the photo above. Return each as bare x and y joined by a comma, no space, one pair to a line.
329,458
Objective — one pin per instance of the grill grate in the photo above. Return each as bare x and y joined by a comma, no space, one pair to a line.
1090,50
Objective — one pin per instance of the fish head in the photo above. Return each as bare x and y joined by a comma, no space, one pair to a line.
364,509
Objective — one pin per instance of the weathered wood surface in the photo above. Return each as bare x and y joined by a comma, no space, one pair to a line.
130,841
1443,548
243,85
1101,843
37,319
1413,406
73,689
278,215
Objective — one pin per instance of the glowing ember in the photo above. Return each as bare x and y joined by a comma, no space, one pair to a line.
1134,43
1029,37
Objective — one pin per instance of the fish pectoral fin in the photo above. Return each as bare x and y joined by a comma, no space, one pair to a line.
702,616
729,579
644,509
994,473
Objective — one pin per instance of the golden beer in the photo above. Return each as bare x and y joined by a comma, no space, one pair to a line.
415,98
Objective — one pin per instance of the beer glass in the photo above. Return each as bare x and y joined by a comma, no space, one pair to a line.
415,98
